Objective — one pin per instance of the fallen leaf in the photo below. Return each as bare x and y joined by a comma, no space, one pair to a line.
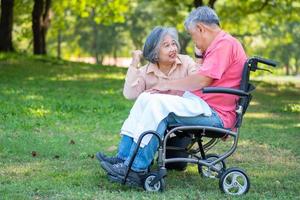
91,156
34,153
72,142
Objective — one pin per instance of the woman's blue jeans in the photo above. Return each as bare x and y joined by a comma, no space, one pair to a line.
146,154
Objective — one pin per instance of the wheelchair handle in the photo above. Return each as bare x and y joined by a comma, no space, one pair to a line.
225,91
265,61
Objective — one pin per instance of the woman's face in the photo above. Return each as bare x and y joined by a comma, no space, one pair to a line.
168,50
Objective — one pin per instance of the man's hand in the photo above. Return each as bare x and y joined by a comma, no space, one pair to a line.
175,92
170,92
161,86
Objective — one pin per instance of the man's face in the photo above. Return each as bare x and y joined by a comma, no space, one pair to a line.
197,37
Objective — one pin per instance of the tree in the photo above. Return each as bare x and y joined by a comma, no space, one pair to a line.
40,25
165,12
6,25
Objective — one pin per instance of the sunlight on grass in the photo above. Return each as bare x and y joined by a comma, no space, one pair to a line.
254,103
39,112
9,91
273,125
87,76
249,151
292,108
17,170
33,97
261,115
110,91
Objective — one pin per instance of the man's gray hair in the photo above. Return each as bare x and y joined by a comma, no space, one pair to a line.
154,40
202,14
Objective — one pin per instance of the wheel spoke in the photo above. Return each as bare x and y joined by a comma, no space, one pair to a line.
234,176
241,187
227,186
235,182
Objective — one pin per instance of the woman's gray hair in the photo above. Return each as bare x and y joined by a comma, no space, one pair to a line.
202,14
154,40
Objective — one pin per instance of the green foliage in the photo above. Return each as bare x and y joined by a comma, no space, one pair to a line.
269,28
105,12
55,115
22,31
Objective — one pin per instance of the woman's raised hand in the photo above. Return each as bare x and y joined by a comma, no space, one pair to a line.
136,58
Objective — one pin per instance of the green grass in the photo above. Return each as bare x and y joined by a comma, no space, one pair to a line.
65,112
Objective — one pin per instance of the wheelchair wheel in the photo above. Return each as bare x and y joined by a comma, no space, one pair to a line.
158,187
206,172
234,181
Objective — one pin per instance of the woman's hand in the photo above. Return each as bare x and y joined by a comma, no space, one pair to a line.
136,58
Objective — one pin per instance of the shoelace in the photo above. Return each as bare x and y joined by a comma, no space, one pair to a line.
118,165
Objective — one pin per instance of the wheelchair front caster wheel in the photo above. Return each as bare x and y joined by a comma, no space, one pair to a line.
234,181
208,173
157,187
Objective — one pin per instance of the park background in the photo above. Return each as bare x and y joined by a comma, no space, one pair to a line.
61,95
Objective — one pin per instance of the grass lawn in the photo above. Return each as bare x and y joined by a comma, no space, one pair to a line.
55,115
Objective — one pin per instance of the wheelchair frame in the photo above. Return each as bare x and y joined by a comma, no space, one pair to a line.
155,181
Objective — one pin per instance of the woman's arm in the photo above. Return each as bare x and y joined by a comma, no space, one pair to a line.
134,81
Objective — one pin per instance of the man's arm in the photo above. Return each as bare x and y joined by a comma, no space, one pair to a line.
189,83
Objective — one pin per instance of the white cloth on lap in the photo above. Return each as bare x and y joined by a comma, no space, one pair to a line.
150,109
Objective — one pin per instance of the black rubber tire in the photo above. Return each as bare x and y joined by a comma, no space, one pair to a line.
158,187
208,156
229,172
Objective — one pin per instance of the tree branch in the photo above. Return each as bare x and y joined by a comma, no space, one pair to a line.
265,3
198,3
211,3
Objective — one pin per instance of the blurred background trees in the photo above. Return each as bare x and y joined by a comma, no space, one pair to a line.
112,28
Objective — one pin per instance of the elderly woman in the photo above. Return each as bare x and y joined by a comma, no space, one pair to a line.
161,50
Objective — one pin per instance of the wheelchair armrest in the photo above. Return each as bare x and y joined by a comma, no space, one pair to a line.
225,90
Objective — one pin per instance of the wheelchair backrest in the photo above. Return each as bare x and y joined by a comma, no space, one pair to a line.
246,86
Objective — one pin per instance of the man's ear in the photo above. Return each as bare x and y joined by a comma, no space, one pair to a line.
200,27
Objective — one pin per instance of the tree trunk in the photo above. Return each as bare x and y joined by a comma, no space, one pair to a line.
40,25
211,3
95,41
115,55
184,41
287,69
100,59
59,44
297,67
198,3
6,24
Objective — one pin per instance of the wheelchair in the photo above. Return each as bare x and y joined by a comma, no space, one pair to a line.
232,181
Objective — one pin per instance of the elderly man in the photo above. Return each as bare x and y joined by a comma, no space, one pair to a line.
223,60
